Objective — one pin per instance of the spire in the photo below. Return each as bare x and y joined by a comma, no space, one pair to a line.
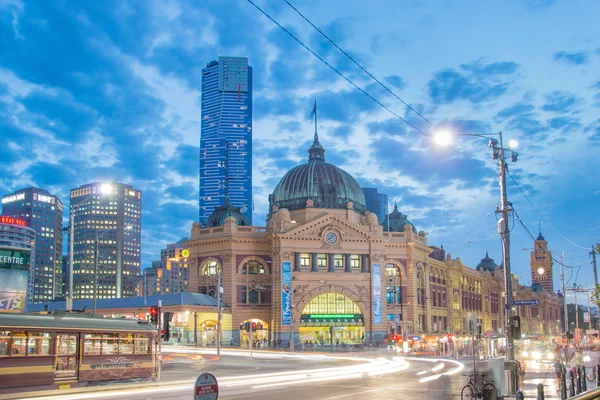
540,237
316,151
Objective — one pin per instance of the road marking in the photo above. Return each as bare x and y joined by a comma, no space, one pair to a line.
352,394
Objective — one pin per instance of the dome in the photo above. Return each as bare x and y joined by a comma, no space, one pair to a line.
221,213
536,287
326,185
397,221
486,264
540,237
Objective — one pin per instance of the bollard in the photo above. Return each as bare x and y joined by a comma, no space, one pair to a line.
583,379
571,384
540,391
578,379
563,385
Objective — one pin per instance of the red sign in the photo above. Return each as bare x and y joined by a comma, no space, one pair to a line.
13,221
207,389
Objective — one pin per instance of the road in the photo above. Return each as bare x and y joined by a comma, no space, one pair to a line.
287,376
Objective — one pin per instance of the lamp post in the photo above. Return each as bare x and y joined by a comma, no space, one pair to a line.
498,153
96,251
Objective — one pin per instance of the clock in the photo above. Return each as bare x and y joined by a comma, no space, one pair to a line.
540,271
185,253
331,237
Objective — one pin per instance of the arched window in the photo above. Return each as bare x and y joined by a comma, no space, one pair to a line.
253,267
210,268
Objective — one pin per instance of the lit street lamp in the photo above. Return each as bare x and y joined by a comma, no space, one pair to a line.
96,248
445,138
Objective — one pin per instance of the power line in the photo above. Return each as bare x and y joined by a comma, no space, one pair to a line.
360,66
540,214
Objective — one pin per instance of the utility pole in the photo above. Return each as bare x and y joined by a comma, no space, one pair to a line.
564,282
69,305
505,235
219,314
292,347
593,253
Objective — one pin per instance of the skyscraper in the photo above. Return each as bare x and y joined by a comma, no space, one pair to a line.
43,212
226,137
111,214
170,274
376,203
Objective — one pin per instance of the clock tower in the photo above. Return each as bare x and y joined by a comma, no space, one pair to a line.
541,264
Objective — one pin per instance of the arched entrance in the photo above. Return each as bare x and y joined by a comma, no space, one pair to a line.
208,331
332,318
259,336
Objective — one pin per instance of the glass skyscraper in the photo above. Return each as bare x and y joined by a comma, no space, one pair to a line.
226,137
43,212
112,212
376,203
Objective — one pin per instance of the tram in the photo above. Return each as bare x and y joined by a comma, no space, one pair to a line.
69,349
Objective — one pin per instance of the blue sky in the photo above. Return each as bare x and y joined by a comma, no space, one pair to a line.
93,91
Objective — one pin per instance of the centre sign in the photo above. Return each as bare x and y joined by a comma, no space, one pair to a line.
14,259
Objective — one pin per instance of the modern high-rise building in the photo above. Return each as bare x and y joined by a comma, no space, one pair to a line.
43,212
376,203
226,137
112,215
170,274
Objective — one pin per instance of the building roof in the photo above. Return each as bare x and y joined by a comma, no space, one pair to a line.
487,264
326,185
397,221
218,217
176,299
69,321
537,287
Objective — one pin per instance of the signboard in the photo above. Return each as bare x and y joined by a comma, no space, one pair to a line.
376,293
13,197
526,302
13,290
12,221
286,292
206,387
14,259
331,319
586,317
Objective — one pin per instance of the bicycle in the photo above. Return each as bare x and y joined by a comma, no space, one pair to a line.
476,390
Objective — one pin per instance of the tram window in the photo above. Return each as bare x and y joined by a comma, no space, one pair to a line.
38,344
126,344
110,343
19,344
142,345
4,339
92,344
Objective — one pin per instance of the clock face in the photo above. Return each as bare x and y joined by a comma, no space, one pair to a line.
185,253
331,237
541,271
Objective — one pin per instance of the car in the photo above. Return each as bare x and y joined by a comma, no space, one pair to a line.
538,354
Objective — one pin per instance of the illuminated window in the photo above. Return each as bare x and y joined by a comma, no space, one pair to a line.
210,268
354,261
322,260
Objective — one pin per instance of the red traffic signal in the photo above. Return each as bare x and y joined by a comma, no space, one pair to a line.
254,326
153,311
449,337
154,315
394,338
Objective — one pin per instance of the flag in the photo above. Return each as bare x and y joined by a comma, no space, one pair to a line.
313,113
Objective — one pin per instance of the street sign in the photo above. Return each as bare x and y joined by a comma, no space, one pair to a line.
206,387
526,302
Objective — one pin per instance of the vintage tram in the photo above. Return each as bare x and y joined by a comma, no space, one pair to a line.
74,349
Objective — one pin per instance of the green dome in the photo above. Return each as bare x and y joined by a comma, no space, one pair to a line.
487,264
396,221
217,218
325,184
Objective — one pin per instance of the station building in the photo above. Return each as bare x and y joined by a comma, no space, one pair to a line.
325,271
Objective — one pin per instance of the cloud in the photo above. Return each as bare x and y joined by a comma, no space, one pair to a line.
560,102
396,81
476,82
574,58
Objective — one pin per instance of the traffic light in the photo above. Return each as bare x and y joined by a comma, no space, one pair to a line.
394,339
449,338
516,327
254,326
154,315
167,326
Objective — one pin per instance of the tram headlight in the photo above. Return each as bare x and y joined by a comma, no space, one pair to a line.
536,355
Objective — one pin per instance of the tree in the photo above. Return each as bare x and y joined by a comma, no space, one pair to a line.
572,322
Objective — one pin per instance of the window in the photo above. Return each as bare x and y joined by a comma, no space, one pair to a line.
338,260
38,344
305,260
110,342
322,260
253,296
4,340
142,345
19,344
210,268
126,343
92,344
354,261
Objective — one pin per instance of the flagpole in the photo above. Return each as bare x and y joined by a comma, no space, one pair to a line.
315,110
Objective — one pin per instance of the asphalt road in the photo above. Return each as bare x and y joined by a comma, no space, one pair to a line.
303,377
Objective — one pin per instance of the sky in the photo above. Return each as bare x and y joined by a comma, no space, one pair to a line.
110,91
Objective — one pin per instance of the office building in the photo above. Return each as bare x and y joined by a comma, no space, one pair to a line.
110,213
376,203
170,274
43,212
17,256
226,137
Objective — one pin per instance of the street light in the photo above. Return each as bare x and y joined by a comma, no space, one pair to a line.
445,138
96,251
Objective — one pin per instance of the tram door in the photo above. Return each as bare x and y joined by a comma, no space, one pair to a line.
66,356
